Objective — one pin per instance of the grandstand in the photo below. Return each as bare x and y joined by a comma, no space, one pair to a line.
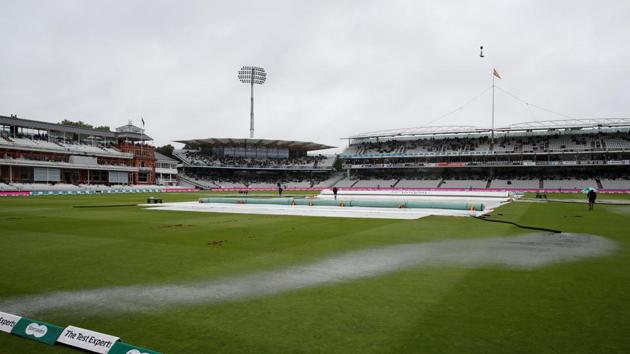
37,155
561,155
253,163
552,155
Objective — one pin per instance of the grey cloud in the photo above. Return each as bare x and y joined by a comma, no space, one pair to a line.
336,68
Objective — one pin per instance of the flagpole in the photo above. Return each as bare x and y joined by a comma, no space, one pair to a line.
141,146
492,130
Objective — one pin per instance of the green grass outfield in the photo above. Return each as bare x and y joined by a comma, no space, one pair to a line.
581,307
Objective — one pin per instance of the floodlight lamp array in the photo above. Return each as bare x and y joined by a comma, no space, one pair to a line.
252,74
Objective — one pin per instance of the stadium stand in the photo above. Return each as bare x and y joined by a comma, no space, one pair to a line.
620,183
71,187
507,144
253,163
61,147
227,179
418,183
204,159
38,155
569,183
564,154
554,155
463,183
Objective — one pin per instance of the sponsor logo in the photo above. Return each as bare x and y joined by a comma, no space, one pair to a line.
87,339
125,348
6,322
36,330
135,351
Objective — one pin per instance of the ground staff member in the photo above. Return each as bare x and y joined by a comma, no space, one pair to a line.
592,195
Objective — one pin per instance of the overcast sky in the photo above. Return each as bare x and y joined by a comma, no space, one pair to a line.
335,68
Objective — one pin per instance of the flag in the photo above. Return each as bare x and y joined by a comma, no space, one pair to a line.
142,119
495,73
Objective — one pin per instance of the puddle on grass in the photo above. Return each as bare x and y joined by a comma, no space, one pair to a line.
522,252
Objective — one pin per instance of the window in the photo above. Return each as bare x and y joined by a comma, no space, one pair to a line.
143,177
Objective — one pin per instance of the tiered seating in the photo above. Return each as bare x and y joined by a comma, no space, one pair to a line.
328,182
477,150
6,187
40,144
531,147
375,183
93,186
184,183
515,183
199,158
103,187
209,183
345,182
617,144
62,147
223,179
567,143
464,183
64,187
506,148
327,161
45,187
420,149
620,183
90,148
481,145
569,183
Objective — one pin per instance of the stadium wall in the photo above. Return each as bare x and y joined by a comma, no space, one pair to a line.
15,194
83,192
519,190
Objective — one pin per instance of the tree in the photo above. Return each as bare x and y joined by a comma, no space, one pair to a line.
78,124
166,150
338,165
81,124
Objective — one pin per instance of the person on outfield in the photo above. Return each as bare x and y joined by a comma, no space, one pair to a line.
592,195
279,189
335,190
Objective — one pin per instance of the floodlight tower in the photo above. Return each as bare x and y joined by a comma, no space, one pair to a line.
252,75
